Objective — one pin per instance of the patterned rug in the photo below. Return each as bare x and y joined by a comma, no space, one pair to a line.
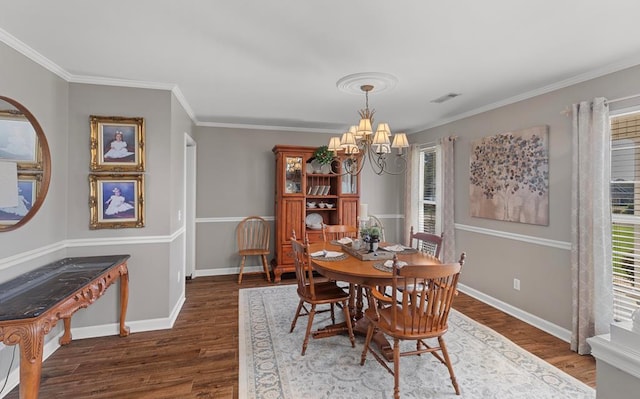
486,364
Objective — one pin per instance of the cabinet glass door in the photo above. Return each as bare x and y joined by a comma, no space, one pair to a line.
293,175
349,182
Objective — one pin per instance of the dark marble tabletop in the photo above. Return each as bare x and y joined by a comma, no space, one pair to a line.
32,293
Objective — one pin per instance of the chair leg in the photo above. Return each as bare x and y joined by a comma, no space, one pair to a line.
312,313
367,341
347,318
396,368
241,269
265,266
333,314
448,363
295,319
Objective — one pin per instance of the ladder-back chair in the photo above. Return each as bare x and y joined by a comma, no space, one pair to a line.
426,242
316,293
331,232
253,240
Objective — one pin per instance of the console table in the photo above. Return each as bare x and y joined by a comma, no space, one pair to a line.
31,305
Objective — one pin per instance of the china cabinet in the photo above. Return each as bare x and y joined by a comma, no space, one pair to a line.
307,195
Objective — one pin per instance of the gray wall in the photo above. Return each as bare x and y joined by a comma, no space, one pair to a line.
236,178
543,268
61,227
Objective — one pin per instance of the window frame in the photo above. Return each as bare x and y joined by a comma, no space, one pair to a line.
421,201
618,219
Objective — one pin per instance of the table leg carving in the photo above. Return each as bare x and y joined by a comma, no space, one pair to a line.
66,337
124,299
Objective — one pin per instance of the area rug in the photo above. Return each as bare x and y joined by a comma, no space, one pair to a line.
487,365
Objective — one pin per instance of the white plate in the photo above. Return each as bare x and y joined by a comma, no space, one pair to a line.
313,218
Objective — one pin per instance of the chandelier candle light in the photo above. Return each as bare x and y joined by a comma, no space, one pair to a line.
360,143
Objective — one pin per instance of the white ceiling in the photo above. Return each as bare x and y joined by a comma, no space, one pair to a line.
276,63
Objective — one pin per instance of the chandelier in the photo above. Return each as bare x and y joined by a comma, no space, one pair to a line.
360,144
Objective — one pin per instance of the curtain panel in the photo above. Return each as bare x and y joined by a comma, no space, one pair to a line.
591,261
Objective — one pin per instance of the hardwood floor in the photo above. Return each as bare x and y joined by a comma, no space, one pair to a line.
198,358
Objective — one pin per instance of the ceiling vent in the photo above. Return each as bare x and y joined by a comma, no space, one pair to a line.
446,97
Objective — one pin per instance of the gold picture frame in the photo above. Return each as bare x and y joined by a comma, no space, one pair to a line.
29,186
117,144
116,201
19,141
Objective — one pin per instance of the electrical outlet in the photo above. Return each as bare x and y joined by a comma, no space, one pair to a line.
516,284
179,215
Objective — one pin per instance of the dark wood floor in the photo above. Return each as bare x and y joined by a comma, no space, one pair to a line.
198,358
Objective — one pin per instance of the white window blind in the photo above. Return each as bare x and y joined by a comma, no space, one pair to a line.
429,216
625,205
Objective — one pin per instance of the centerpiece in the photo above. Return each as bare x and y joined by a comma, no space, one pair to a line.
371,235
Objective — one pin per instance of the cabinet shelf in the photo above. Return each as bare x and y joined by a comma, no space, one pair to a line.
295,183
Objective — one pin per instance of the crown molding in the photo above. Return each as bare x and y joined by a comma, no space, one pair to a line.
33,55
596,73
30,53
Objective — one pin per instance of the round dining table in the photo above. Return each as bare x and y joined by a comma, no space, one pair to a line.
361,275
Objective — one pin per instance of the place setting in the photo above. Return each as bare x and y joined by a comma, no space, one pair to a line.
328,255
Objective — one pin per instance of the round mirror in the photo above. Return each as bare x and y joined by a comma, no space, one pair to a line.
25,165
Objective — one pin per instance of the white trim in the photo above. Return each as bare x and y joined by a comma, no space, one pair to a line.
30,255
520,314
326,130
618,356
136,84
514,236
229,219
234,219
104,330
30,53
596,73
33,55
224,271
89,242
86,242
13,380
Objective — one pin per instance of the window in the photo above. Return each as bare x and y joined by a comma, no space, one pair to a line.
429,215
625,205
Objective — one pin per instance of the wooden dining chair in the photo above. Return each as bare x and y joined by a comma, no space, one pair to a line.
316,293
421,314
252,236
332,232
426,242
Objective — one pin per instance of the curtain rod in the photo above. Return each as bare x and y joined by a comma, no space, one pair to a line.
567,110
615,100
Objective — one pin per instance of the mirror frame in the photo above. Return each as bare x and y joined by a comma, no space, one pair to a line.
41,170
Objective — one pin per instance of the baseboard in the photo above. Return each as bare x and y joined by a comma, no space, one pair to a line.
226,271
104,330
553,329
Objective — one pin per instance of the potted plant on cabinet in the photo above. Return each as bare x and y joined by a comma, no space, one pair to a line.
322,159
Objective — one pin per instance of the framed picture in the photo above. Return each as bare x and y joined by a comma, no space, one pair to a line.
117,144
116,201
28,189
19,141
509,176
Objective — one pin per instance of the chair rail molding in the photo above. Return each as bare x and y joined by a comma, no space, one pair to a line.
36,253
514,236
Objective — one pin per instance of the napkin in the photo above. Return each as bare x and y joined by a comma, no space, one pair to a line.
389,263
394,248
326,254
345,240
